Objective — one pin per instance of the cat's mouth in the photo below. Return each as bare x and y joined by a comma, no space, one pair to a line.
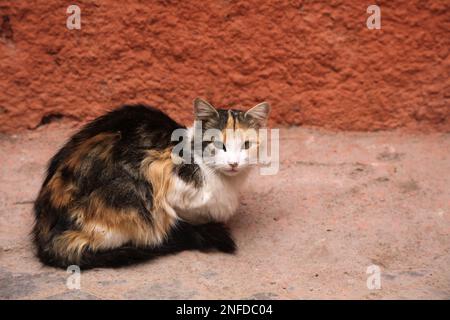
231,171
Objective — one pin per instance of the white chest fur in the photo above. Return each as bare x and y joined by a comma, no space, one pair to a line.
216,200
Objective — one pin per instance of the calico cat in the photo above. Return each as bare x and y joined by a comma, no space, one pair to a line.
116,193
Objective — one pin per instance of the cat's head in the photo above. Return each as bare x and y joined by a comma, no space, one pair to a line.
230,137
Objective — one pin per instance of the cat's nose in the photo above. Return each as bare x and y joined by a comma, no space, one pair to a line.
233,165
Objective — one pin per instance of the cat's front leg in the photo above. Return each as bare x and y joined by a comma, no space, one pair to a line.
204,237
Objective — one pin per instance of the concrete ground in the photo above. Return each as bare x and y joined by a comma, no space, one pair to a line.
340,203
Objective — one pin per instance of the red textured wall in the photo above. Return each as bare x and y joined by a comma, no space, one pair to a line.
315,61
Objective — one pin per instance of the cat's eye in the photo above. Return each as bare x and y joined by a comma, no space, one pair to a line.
219,145
247,144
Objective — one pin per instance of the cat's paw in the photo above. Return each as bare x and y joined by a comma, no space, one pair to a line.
217,236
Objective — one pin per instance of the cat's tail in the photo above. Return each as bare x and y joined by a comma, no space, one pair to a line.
184,236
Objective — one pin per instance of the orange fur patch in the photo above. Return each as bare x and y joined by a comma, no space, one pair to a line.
100,145
157,168
70,245
60,192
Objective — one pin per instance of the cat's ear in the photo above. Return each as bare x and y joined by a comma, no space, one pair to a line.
258,115
204,111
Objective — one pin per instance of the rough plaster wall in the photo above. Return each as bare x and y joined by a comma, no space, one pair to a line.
315,61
